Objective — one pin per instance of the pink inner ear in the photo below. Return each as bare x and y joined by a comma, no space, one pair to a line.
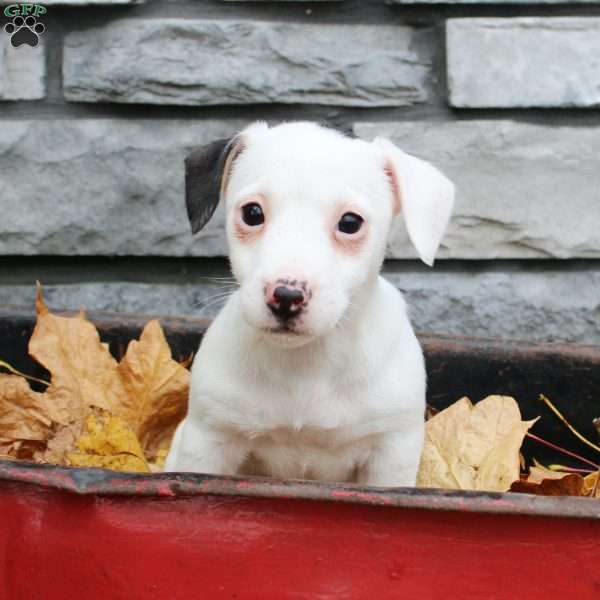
391,175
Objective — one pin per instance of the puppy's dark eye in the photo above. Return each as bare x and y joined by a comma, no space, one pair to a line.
350,223
252,214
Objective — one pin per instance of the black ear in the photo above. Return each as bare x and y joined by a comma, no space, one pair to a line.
204,171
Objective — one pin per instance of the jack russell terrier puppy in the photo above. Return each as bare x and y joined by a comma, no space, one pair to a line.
312,369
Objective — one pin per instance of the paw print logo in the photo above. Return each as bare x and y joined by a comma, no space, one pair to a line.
24,31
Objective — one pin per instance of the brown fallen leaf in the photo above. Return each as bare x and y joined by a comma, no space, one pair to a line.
23,415
547,482
473,447
62,442
108,442
84,374
156,389
567,484
95,411
21,450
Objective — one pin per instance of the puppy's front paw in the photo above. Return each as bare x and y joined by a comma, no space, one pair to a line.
395,462
199,449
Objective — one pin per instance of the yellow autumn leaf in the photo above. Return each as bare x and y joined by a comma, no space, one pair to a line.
156,389
473,447
158,464
83,372
108,442
591,485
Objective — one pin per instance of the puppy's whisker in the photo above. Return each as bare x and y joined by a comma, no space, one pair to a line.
214,301
216,298
222,279
203,310
222,292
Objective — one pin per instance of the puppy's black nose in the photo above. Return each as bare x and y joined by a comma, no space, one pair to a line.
286,303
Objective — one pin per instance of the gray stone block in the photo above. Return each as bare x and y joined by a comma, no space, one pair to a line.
207,62
86,187
22,71
535,304
114,187
545,62
523,190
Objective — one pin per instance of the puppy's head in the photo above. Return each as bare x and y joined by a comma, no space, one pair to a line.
308,214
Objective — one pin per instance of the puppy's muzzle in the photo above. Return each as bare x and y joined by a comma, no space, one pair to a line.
286,301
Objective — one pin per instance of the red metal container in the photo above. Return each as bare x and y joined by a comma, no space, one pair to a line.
93,534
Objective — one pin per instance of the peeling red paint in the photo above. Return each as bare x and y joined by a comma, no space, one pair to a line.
245,485
362,496
61,545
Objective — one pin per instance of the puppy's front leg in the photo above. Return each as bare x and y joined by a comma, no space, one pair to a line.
395,460
201,449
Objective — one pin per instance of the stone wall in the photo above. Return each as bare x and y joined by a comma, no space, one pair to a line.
503,96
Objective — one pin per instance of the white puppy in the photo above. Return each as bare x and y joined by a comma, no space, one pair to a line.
312,369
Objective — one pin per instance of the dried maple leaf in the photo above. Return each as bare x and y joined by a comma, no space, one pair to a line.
566,484
23,415
83,372
108,442
546,482
61,443
158,464
537,473
473,447
156,389
591,485
95,412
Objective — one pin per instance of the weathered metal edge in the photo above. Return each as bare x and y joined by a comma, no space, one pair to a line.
101,482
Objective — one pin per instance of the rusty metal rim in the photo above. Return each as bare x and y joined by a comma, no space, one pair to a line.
101,482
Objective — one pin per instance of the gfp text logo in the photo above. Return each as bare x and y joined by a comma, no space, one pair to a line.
25,26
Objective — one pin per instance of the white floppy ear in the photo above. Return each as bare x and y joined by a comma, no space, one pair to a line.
424,195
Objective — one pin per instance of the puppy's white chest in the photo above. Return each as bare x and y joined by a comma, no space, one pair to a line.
307,453
307,427
302,411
